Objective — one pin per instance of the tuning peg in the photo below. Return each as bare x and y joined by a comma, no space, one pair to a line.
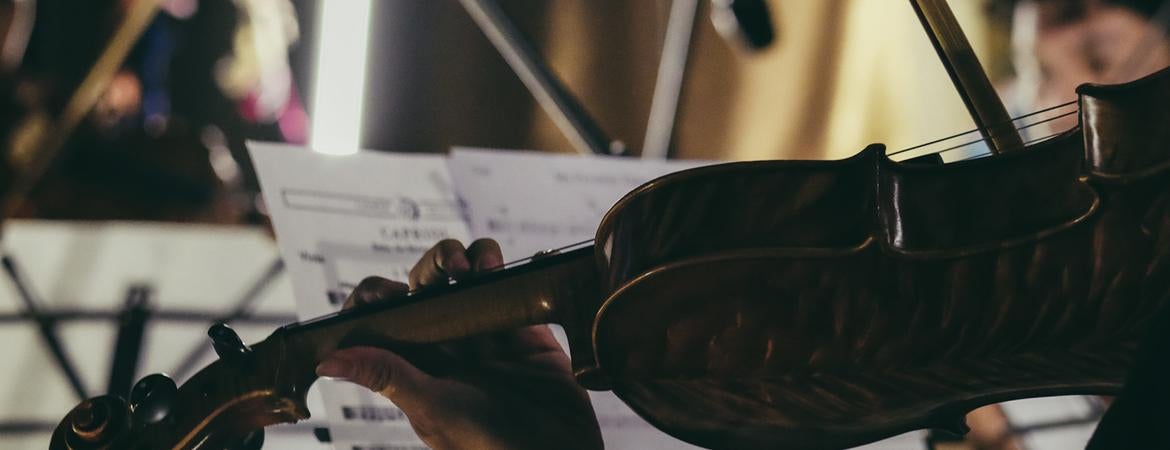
225,341
151,398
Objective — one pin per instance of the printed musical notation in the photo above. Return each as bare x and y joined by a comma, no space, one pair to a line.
340,219
396,207
532,201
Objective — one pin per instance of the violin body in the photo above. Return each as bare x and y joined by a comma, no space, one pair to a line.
863,298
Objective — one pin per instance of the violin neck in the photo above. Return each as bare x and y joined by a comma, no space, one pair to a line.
543,291
983,103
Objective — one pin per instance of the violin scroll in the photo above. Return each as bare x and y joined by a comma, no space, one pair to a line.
95,424
226,405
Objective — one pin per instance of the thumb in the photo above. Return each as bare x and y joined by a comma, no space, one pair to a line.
381,371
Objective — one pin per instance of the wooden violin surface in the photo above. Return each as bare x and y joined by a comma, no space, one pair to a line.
825,305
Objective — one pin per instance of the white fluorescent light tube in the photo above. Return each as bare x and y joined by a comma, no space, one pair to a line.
341,76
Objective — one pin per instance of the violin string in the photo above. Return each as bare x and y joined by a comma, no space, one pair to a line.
969,143
1043,139
527,259
1030,142
972,158
512,263
1042,111
541,254
1160,22
956,135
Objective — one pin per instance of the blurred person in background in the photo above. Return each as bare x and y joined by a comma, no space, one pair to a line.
163,140
1057,45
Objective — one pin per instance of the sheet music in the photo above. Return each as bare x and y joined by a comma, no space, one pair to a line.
531,201
340,219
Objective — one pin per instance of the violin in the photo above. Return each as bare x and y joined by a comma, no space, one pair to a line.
856,299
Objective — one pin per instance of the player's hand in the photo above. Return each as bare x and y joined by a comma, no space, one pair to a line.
513,390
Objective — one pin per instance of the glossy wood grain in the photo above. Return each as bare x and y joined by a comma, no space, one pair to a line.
1026,274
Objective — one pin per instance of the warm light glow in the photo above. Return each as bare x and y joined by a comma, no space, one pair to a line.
341,76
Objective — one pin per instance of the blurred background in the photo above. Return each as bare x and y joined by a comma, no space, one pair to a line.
160,142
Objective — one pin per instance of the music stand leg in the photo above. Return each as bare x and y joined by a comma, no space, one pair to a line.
46,327
128,345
